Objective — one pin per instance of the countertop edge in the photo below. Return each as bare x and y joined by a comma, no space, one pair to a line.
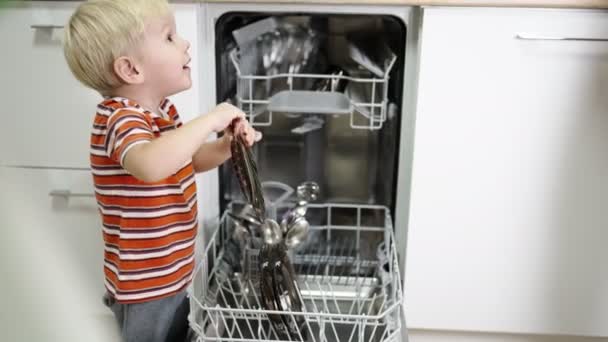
566,4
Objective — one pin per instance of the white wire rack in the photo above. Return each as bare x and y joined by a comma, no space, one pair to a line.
347,272
365,101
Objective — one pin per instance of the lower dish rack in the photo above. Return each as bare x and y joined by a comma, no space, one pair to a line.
347,272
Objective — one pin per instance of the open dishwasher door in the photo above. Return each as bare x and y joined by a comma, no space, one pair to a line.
329,87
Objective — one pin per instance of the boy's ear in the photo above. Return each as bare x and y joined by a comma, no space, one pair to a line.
128,70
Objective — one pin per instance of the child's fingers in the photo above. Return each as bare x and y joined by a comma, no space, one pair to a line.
240,127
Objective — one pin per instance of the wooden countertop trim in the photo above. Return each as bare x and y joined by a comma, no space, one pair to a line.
588,4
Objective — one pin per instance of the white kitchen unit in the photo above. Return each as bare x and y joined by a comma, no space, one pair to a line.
48,112
507,227
52,249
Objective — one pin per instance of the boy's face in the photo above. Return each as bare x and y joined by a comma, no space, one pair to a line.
164,57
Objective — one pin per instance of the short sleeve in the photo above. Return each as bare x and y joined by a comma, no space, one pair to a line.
126,128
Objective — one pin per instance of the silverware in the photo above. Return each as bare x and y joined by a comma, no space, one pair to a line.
247,173
267,290
308,191
249,221
241,234
271,232
287,292
297,232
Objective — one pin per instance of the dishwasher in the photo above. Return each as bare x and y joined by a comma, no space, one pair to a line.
327,86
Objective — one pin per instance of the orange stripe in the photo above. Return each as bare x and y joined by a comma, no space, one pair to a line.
150,243
146,223
135,265
147,283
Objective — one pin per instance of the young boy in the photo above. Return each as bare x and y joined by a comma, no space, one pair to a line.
143,158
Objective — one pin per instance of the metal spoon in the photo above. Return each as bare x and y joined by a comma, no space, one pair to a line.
308,191
271,232
241,233
297,232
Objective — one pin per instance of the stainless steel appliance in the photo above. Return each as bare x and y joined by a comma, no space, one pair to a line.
327,88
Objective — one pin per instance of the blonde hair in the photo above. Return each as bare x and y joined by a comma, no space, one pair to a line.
100,31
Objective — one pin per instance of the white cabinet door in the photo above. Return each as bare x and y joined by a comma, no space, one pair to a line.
51,254
509,203
47,114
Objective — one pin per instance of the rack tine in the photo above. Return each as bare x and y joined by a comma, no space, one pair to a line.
304,309
245,297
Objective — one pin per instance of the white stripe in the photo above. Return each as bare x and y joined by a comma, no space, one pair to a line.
111,231
99,152
110,286
140,193
144,295
98,131
144,256
149,235
158,213
102,172
189,182
105,111
152,274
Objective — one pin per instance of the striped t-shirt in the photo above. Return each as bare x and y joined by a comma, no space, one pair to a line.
149,229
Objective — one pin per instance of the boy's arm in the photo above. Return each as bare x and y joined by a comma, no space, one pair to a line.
163,156
212,154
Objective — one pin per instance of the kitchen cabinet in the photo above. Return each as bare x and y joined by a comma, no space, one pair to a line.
52,248
48,113
52,256
507,226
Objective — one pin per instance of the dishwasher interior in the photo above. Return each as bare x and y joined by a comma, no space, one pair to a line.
325,92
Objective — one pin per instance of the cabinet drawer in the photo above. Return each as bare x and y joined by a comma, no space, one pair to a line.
52,250
47,113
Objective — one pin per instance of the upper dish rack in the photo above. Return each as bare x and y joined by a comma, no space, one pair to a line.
365,99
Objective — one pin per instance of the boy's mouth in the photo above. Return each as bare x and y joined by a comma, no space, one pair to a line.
187,66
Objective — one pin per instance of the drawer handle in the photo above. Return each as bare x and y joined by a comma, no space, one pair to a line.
68,194
524,36
46,27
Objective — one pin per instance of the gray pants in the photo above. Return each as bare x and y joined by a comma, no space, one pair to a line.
162,320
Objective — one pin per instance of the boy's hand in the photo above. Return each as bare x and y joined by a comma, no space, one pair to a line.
223,114
243,128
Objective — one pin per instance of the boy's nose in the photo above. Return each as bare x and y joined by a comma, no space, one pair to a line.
187,43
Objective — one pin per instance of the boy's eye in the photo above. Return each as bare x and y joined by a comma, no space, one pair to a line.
169,38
